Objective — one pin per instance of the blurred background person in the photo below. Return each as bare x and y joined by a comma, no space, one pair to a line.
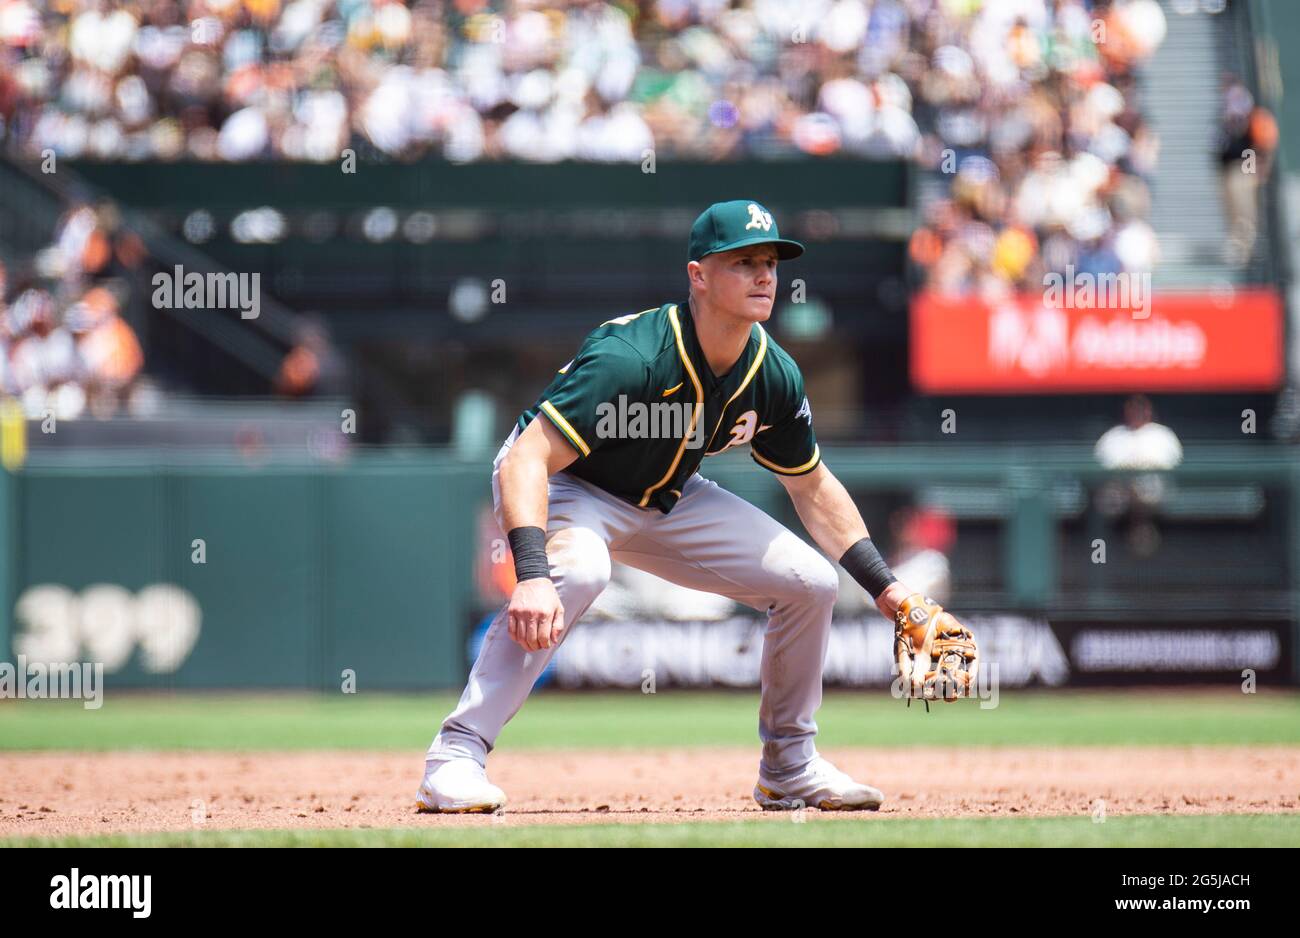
920,542
1248,137
1138,444
923,540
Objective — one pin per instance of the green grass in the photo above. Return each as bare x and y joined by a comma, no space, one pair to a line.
1239,830
632,720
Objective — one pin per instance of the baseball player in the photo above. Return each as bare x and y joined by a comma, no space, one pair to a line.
603,467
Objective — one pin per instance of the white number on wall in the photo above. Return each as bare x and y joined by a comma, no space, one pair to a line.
106,624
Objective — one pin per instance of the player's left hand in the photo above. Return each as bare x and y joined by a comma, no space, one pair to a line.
936,655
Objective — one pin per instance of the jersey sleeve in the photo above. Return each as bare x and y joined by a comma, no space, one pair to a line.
588,387
789,445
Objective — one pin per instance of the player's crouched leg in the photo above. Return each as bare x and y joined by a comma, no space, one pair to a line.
804,587
801,577
501,679
505,672
580,569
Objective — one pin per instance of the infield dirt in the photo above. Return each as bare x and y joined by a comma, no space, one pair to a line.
54,793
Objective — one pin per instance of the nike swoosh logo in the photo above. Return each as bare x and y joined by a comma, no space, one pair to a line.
673,389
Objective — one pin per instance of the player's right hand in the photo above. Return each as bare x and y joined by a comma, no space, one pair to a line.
536,614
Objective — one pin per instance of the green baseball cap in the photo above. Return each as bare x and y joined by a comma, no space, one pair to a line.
725,226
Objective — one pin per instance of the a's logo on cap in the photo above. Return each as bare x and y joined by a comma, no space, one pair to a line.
758,218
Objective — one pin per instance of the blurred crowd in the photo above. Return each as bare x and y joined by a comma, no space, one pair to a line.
305,79
558,79
65,350
1026,110
1039,136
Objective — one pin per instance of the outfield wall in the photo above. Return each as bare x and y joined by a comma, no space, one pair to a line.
294,572
184,571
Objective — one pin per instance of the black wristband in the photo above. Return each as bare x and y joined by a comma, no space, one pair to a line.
528,545
864,564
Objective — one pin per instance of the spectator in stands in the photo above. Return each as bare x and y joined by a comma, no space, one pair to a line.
109,350
1248,137
65,350
313,366
1140,444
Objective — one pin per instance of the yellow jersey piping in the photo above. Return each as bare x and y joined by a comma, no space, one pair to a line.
817,454
565,427
749,376
695,412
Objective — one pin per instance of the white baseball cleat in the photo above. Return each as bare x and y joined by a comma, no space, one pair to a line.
819,785
458,786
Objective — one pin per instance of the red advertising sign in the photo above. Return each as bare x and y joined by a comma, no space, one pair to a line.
1049,343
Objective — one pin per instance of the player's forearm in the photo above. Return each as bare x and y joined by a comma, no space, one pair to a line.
828,512
522,478
834,522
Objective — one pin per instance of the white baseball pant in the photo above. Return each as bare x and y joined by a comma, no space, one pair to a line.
712,540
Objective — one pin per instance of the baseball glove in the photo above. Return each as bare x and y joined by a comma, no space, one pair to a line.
935,654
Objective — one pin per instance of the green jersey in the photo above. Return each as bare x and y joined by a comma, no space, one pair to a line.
642,407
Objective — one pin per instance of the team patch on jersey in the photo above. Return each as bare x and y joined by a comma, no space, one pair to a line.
804,411
742,432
